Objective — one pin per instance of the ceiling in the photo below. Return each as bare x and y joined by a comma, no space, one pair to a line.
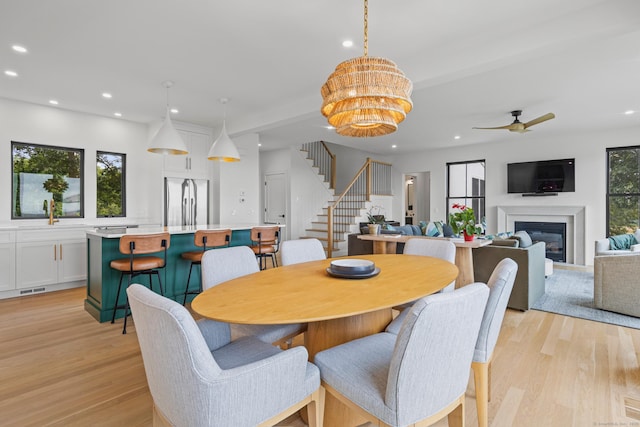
471,63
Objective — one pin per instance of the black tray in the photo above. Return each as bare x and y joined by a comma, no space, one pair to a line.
353,276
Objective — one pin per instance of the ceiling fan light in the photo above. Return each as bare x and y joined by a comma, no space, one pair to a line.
223,149
167,140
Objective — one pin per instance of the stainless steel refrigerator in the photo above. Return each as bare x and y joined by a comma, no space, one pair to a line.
186,201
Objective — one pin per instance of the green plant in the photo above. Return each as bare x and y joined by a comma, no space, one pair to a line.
376,215
463,220
56,185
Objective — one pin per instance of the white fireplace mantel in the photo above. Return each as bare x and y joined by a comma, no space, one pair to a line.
573,216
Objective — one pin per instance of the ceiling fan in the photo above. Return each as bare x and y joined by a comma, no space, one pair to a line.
518,126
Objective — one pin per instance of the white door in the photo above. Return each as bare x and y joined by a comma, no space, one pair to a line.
275,206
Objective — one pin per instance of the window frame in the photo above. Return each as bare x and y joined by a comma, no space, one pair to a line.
123,182
480,214
608,194
80,153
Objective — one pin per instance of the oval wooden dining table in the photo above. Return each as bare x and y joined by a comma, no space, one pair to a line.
336,310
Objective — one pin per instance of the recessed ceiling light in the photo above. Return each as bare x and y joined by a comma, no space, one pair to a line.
456,137
117,114
347,43
259,145
106,95
394,146
175,111
53,102
629,112
11,73
19,49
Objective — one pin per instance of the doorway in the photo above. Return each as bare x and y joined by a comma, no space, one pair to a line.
417,192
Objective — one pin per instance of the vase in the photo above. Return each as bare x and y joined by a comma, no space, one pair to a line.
468,237
374,228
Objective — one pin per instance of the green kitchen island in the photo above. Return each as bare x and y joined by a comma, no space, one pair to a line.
102,248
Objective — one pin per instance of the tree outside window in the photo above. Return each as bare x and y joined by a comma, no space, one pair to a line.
42,173
110,183
623,190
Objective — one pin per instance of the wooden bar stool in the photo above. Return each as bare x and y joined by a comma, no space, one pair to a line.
135,265
265,242
206,239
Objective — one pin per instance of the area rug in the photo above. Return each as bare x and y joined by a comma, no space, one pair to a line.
570,293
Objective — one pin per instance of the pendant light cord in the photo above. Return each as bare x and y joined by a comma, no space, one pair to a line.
366,27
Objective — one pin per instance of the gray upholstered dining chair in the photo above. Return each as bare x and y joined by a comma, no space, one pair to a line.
500,285
443,249
301,250
419,375
221,265
199,377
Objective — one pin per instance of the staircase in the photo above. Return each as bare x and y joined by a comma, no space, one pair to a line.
341,215
346,219
322,161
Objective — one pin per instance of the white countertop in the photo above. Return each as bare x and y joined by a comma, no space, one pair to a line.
113,232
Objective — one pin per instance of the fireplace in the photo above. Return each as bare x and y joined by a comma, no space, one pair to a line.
573,216
553,234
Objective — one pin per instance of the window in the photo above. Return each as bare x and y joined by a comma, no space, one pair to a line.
465,186
623,190
110,184
44,173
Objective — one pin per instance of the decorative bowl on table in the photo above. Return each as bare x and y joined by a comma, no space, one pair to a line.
353,268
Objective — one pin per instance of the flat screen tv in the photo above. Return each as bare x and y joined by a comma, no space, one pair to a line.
546,176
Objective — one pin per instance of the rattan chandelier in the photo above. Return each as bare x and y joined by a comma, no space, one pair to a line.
366,96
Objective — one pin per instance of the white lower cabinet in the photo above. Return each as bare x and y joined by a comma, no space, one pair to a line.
47,262
7,260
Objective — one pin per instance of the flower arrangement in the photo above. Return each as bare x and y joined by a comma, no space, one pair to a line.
464,220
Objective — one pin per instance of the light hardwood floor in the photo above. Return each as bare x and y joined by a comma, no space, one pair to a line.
59,367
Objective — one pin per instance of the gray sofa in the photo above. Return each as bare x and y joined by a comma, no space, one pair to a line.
356,246
530,280
616,283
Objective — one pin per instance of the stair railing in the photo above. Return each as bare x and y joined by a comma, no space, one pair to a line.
374,177
323,159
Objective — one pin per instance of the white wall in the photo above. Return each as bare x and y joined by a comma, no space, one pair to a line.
348,163
588,148
36,124
240,179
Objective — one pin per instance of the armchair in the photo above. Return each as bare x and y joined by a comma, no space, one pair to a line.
616,283
198,377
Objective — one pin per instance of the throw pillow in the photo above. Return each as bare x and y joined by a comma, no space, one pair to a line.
447,231
431,230
416,230
523,238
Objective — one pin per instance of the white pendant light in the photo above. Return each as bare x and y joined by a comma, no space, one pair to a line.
167,140
223,149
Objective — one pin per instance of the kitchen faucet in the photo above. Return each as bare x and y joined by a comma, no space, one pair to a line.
52,205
